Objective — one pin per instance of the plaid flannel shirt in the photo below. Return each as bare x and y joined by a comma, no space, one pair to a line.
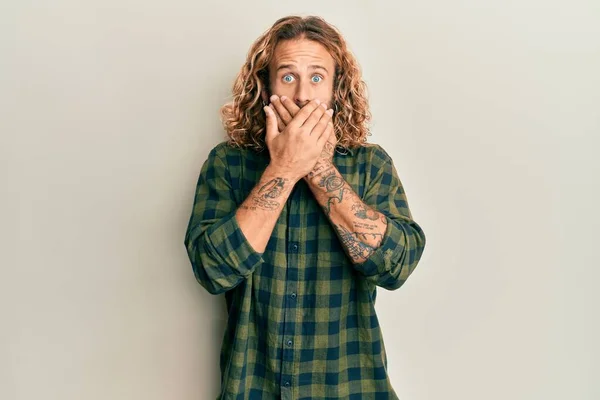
301,315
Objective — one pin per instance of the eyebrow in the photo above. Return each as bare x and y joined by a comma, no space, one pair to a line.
292,66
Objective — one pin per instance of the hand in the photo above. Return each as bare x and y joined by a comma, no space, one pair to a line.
296,149
285,109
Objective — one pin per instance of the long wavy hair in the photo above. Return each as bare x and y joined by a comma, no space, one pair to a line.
244,119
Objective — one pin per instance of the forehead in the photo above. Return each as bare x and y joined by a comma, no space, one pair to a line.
301,52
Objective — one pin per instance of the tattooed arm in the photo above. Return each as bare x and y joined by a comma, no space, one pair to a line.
359,227
385,243
258,214
221,232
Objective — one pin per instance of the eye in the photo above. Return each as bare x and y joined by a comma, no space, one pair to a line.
288,78
317,79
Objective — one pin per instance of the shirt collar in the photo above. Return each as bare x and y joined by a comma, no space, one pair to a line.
344,151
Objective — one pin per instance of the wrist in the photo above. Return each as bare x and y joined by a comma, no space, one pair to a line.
321,167
281,172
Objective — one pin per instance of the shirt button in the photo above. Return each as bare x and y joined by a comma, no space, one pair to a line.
295,247
289,342
293,295
287,383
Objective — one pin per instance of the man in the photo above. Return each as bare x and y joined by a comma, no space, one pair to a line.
297,221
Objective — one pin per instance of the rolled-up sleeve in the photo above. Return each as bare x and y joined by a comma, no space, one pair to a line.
390,264
220,254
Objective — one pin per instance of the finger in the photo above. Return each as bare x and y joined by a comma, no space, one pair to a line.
290,106
280,123
321,121
331,142
304,113
284,114
326,135
314,118
271,124
332,138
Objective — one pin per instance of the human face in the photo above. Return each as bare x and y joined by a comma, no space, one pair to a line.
302,70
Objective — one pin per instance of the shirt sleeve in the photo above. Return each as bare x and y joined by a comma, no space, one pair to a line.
220,254
390,264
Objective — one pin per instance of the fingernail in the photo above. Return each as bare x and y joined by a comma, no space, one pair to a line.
283,98
324,105
274,97
330,111
318,101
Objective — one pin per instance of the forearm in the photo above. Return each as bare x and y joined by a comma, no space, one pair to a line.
259,212
359,227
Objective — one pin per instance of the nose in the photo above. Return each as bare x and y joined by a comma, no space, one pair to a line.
303,94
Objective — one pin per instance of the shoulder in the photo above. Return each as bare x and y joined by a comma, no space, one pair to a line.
373,154
221,150
225,153
226,150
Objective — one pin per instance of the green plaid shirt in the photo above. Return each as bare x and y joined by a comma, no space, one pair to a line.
301,316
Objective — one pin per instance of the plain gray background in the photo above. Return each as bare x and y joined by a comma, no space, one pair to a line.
490,111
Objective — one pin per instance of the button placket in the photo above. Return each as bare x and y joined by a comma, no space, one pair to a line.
288,369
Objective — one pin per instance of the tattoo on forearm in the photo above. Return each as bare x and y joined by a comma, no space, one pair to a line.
328,150
362,212
273,188
320,168
355,244
331,181
267,193
360,235
364,225
335,199
324,164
